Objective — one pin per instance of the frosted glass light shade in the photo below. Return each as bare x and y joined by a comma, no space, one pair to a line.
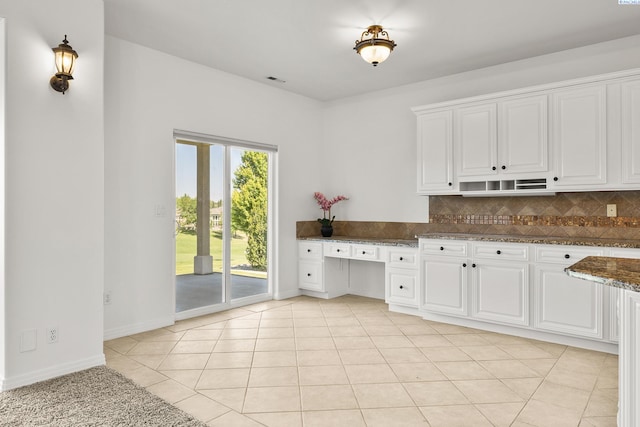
375,54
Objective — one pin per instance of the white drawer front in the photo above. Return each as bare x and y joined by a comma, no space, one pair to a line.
443,247
339,250
402,287
564,254
310,275
310,250
368,252
402,258
499,251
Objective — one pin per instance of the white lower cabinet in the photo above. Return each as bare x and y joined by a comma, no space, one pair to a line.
310,266
500,291
489,286
519,285
445,285
566,304
402,277
562,303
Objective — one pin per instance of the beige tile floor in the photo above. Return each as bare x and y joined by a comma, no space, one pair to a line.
351,362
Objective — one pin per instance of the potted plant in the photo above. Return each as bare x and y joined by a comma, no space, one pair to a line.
326,228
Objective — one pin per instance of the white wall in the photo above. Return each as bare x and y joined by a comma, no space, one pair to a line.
148,95
373,137
54,190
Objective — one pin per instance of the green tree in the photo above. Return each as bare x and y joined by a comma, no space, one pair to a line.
249,205
187,212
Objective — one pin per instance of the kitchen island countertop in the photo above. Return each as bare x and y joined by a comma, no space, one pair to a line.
619,272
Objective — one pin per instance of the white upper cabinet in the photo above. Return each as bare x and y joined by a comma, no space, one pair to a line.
580,137
507,137
435,152
630,92
476,143
523,135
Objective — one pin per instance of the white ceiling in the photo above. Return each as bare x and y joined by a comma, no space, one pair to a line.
309,43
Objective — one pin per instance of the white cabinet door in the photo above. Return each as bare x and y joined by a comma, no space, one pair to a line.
523,135
445,285
631,132
566,304
475,140
435,152
500,291
580,137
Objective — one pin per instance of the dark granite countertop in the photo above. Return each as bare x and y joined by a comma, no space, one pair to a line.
413,243
547,240
618,272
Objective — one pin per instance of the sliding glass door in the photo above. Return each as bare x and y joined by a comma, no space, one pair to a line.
223,217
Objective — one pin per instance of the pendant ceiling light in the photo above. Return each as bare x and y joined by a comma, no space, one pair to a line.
374,45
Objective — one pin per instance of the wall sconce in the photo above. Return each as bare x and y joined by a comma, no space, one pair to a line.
373,48
65,63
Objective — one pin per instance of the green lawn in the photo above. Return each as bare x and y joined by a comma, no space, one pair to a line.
186,250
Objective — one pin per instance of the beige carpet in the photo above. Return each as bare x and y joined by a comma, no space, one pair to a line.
98,396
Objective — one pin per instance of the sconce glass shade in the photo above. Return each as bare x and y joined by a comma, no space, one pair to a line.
373,48
65,58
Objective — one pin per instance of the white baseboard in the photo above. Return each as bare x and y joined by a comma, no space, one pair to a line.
136,328
585,343
51,372
288,294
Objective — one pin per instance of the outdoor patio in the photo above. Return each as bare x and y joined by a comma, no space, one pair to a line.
194,291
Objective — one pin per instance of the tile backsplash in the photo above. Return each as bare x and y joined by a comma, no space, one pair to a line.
565,214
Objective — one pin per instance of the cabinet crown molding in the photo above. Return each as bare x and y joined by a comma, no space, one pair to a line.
526,90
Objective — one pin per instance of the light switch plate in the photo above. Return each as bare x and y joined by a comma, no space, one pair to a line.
612,210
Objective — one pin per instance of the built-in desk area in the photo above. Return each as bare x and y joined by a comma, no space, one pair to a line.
378,268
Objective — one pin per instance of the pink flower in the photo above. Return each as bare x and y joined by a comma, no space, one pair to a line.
325,204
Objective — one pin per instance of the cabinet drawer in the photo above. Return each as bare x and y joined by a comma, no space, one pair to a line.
501,251
310,275
402,287
310,250
368,252
402,258
443,247
564,254
339,250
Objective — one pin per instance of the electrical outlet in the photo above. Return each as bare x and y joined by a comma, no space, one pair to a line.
106,297
52,335
612,210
